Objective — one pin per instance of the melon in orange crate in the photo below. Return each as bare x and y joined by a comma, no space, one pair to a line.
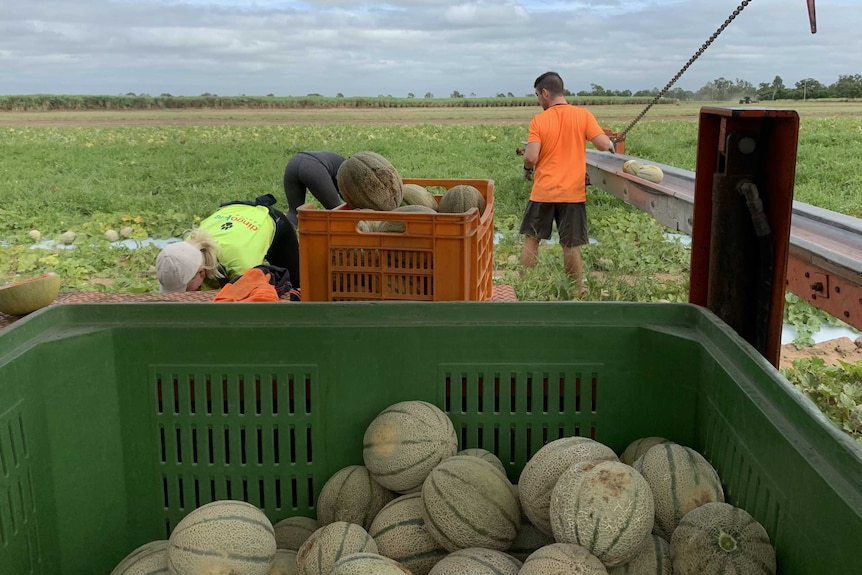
605,507
416,195
327,545
718,538
562,559
368,180
680,479
222,537
544,468
405,442
467,502
400,534
461,198
351,495
477,561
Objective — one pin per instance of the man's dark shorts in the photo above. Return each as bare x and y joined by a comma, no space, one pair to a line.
571,221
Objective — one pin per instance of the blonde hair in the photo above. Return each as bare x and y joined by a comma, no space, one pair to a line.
210,252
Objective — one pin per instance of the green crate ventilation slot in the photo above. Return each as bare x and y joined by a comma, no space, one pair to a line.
19,539
514,410
744,484
237,433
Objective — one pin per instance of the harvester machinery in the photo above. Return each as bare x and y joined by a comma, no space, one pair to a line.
750,241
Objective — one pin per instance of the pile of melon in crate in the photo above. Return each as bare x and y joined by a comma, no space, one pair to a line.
368,181
418,506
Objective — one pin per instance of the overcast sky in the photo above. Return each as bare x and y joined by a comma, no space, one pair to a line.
285,47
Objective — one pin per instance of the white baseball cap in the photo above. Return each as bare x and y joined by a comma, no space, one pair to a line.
176,265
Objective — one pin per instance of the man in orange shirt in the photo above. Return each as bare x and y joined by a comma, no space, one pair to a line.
556,161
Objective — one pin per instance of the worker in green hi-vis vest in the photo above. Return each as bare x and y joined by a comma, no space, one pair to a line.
238,236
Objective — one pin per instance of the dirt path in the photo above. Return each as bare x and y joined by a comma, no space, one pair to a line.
830,351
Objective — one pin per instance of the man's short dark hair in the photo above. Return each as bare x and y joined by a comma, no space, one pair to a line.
551,82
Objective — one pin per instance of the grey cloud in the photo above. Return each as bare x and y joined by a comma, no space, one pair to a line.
481,46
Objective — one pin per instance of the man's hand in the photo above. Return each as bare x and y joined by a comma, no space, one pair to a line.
613,148
528,174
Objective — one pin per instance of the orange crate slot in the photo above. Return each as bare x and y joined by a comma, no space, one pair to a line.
440,257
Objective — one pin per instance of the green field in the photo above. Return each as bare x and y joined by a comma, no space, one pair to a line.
158,172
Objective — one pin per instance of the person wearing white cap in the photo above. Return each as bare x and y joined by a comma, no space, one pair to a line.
238,236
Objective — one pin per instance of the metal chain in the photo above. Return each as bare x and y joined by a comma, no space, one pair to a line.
691,60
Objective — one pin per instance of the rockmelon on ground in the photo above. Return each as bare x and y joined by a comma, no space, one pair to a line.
351,495
718,538
368,180
544,468
681,479
222,536
605,507
368,564
653,558
467,502
400,534
327,545
148,559
291,532
477,561
405,442
562,559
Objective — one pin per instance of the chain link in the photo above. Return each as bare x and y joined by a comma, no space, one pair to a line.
660,95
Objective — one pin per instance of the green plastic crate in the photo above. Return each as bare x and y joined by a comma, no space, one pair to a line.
117,420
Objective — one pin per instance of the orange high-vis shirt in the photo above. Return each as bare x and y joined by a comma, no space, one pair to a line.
560,174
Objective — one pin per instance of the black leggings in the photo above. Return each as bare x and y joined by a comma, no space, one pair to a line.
305,172
284,250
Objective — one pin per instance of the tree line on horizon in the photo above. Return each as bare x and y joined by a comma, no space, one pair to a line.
718,90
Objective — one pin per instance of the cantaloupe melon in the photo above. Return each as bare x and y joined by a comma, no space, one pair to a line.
368,180
284,563
327,545
467,502
416,195
640,446
486,455
680,479
221,537
405,441
651,173
632,167
368,564
400,534
23,297
562,559
351,495
605,507
458,199
653,558
718,538
529,539
399,227
291,532
477,561
148,559
544,468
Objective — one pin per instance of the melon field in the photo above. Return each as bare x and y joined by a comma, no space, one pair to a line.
154,173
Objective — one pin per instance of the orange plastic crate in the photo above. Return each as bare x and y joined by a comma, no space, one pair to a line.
440,257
